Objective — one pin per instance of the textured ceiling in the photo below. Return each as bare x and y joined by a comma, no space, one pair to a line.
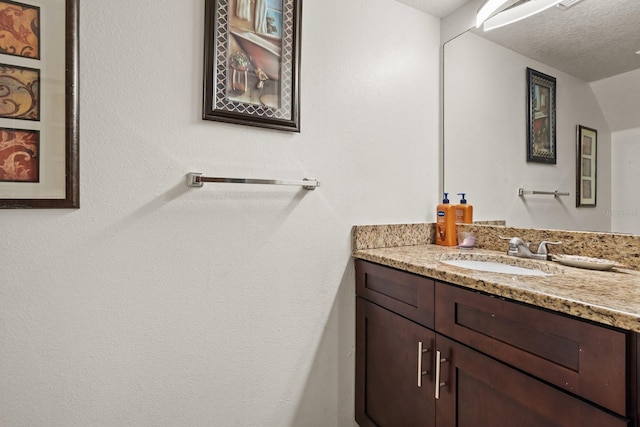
592,40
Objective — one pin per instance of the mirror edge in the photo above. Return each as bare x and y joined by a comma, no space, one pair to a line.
452,26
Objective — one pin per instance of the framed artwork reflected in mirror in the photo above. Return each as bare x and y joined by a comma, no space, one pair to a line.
586,150
541,117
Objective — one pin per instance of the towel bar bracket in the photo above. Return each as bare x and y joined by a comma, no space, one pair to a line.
193,180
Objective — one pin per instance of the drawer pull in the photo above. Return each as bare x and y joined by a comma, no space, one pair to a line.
421,373
439,360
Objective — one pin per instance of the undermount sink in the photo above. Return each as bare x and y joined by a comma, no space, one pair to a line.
500,264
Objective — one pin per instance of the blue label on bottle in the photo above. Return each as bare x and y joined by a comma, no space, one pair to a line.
440,213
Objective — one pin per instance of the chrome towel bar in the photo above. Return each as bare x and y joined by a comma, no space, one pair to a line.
556,193
195,179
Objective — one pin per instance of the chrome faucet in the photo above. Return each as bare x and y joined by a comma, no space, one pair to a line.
518,247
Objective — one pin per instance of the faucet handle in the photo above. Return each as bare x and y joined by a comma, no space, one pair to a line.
542,249
515,241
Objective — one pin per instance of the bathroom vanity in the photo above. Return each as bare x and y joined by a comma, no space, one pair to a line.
439,345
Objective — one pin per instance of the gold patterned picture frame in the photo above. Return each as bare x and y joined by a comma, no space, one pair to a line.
39,144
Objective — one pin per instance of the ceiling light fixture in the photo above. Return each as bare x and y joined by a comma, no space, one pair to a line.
566,4
488,9
518,13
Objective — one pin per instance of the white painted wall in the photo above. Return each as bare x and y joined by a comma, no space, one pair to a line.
625,214
619,98
485,139
156,304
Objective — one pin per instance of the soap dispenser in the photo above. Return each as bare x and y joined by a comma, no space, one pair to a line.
464,211
446,223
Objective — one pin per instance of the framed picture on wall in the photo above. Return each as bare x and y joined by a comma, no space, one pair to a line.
541,117
39,147
251,67
586,183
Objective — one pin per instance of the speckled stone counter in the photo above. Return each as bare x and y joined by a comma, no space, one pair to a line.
609,297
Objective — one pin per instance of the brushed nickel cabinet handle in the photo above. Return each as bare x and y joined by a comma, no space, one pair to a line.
421,373
439,361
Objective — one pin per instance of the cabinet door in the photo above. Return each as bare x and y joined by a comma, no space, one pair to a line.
478,391
394,369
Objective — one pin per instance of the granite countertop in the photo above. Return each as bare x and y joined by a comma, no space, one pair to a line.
609,297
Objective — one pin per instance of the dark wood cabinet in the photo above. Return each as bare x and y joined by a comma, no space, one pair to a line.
403,293
580,357
394,385
478,391
495,362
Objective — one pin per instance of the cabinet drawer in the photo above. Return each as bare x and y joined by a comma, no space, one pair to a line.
404,293
583,358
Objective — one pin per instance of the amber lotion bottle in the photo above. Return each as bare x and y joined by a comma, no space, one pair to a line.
464,211
446,223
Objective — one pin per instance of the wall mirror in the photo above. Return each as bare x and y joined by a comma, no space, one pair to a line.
590,48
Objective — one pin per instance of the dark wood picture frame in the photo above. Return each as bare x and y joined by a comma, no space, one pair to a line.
586,166
252,65
541,117
64,135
